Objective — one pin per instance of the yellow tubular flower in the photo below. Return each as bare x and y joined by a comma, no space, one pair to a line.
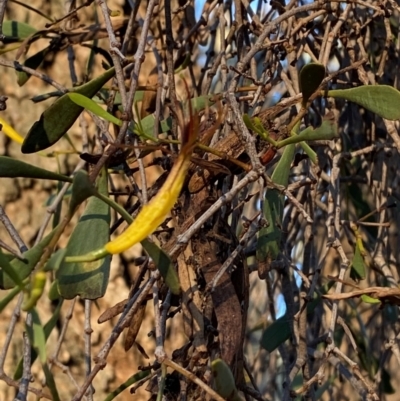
156,211
10,132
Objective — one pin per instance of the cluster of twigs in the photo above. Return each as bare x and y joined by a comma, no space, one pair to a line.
253,56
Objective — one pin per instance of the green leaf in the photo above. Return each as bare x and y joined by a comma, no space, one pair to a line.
369,300
132,380
281,173
36,336
48,328
357,266
254,124
82,189
326,131
60,116
12,168
32,62
88,279
9,270
164,265
53,293
269,238
15,31
9,297
92,106
24,267
279,331
51,384
311,76
224,381
146,125
382,100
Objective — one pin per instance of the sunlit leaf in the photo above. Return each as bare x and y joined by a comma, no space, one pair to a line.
310,77
383,100
92,106
369,300
16,31
326,131
13,168
60,116
88,279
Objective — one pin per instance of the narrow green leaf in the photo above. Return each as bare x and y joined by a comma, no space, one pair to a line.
282,170
15,31
186,62
132,380
24,267
9,270
382,100
37,336
311,76
309,152
9,297
269,238
13,168
164,265
33,62
47,329
51,384
357,266
60,116
88,280
92,106
326,131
